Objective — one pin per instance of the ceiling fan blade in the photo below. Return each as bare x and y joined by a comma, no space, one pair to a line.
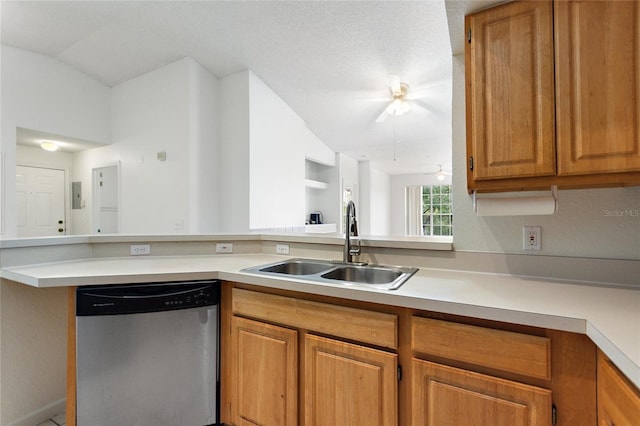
424,91
382,116
387,99
420,106
394,84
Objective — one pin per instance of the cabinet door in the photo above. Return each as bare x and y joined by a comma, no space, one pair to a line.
447,396
265,374
618,400
348,385
510,91
598,86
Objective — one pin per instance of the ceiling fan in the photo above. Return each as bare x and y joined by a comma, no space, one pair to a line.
401,100
440,174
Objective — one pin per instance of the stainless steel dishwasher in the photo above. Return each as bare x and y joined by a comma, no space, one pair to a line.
147,354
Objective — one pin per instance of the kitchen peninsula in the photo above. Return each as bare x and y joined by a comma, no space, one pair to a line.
449,286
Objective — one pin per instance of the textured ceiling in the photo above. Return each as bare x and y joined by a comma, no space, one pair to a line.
325,59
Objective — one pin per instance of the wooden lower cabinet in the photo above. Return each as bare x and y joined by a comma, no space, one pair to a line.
447,396
618,399
265,371
296,359
348,385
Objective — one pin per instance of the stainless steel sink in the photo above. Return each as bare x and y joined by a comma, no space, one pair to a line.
324,271
297,267
363,274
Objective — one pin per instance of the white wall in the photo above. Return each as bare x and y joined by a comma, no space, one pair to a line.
375,195
33,361
233,165
276,155
586,224
315,150
262,157
44,94
170,110
203,153
397,200
150,114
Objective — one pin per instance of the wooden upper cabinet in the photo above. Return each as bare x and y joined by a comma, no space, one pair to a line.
598,86
510,91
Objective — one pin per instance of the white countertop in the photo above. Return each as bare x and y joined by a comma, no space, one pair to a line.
609,316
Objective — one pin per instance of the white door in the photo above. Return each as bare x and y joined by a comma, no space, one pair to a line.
105,196
40,202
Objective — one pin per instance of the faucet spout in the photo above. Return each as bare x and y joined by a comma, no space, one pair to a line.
351,231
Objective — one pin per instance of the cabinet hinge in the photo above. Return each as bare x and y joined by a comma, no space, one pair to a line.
470,163
469,35
399,372
554,415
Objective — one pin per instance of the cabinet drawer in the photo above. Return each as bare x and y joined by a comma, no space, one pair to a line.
375,328
501,350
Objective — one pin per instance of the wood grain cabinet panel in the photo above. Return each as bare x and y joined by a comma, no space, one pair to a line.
510,91
598,86
265,374
447,396
349,385
618,399
553,95
497,349
376,328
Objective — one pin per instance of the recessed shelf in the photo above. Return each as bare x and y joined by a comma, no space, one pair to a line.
315,184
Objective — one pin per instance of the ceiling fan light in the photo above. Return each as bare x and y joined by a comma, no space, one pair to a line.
398,107
49,146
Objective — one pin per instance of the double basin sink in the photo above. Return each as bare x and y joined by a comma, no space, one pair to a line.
321,271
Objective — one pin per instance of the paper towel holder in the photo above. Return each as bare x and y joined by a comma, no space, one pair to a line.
554,194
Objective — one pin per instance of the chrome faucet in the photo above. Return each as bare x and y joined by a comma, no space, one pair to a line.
351,230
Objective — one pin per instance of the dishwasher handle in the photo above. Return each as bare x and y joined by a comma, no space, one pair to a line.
146,297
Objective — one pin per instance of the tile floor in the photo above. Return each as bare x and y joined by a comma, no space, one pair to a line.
58,420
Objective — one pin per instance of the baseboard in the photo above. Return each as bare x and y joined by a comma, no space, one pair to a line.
40,415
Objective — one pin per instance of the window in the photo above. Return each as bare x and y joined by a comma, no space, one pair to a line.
437,215
428,210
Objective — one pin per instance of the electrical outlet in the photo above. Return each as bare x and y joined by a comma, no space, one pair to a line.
224,248
140,249
282,248
531,238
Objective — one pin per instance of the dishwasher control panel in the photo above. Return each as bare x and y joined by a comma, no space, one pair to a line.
146,297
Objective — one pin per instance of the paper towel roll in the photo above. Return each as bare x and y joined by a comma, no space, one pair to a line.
515,206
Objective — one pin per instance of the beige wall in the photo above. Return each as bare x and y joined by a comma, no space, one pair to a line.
33,352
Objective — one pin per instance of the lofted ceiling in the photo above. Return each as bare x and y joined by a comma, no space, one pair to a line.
326,59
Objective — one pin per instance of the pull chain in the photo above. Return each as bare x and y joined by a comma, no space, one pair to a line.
395,135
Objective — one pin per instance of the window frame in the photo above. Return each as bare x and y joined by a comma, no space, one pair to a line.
437,216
